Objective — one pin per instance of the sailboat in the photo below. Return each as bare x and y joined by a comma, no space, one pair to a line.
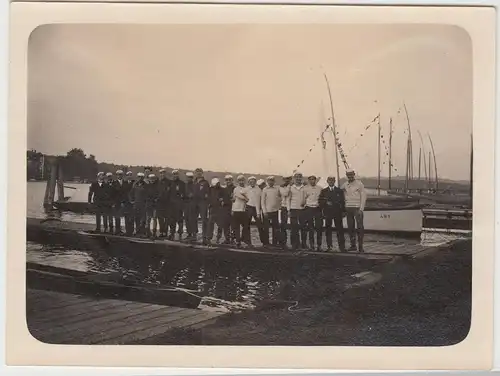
383,214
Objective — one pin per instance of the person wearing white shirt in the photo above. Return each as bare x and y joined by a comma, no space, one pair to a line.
239,215
271,203
284,210
296,204
355,200
254,210
312,212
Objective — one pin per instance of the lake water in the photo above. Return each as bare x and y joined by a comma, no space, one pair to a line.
225,285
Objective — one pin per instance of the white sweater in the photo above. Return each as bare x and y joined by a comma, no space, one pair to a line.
271,199
285,192
240,199
312,195
297,198
355,194
254,198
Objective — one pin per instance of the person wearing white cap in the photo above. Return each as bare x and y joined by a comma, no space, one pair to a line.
284,209
215,209
153,191
163,203
108,206
190,208
261,183
138,198
312,212
355,200
176,202
271,202
120,198
332,203
226,209
240,221
201,199
296,203
254,210
99,197
129,210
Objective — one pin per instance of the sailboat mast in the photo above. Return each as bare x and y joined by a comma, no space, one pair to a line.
471,171
429,182
334,129
409,154
419,165
435,164
378,146
390,152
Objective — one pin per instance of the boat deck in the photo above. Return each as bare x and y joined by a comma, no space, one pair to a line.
61,318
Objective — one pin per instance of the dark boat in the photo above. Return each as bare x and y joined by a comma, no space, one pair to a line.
44,277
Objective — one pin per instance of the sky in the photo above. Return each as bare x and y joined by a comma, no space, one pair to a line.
252,98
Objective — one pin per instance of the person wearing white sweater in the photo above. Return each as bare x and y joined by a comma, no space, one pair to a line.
239,215
296,204
271,203
355,200
312,213
284,209
254,210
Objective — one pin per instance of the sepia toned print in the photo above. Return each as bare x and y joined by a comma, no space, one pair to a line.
250,184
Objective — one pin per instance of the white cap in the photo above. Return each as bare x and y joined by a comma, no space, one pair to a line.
129,173
100,173
109,174
241,177
140,174
260,181
298,174
228,177
215,181
252,178
162,170
349,171
175,171
270,178
151,176
189,174
118,172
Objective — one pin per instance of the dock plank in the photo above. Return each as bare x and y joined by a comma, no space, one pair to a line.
109,321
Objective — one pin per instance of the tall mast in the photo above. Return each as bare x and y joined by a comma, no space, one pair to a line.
423,155
334,128
390,152
409,152
429,181
435,164
378,145
471,168
419,165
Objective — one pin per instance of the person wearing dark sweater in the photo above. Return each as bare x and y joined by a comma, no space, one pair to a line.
138,197
190,208
120,190
332,204
100,196
152,196
129,210
176,203
215,211
201,199
227,203
162,210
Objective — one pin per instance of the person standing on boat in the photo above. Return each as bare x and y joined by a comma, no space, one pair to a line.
120,199
129,210
332,203
296,203
137,197
201,198
284,209
312,213
108,212
355,200
271,203
254,210
162,210
240,220
147,171
176,212
153,191
264,235
215,210
190,208
227,203
98,196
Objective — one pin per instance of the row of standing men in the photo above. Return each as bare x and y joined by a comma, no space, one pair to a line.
163,206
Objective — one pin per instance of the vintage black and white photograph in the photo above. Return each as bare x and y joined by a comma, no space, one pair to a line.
249,184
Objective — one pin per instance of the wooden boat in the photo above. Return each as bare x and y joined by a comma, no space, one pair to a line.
44,277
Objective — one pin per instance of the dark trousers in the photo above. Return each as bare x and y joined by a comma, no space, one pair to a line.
216,218
118,212
151,216
162,216
252,214
337,220
355,225
191,218
201,211
140,218
240,223
129,219
102,216
227,228
176,218
314,225
284,225
297,217
271,220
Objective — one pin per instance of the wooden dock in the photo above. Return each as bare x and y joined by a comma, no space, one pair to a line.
60,318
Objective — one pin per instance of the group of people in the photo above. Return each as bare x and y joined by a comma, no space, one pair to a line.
163,206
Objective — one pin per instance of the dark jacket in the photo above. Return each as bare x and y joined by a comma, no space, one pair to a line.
202,190
164,186
189,192
332,202
216,197
138,193
120,191
227,195
177,190
100,194
152,193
